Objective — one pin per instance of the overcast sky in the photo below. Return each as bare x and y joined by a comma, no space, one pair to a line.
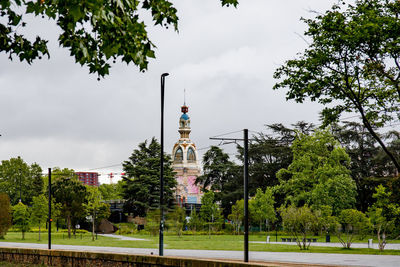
55,113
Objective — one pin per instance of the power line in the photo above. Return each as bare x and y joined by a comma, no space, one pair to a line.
227,133
105,167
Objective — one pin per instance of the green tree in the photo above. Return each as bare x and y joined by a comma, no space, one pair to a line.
37,186
21,218
18,178
177,219
352,222
318,175
351,65
327,223
142,179
57,173
237,215
70,193
299,222
153,221
369,166
95,32
210,211
270,152
39,211
220,175
94,205
5,214
112,191
261,207
195,223
385,216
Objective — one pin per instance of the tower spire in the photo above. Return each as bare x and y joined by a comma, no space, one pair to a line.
184,96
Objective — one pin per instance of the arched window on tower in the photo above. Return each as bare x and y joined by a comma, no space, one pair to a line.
191,156
178,155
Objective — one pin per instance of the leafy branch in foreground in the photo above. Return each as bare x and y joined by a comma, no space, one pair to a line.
96,32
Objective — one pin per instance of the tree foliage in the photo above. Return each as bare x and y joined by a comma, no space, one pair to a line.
299,222
95,32
261,207
195,222
351,65
95,206
71,194
352,222
216,170
112,191
17,177
237,215
318,175
177,219
270,152
39,211
153,218
21,218
210,211
369,165
222,176
385,216
5,214
142,179
327,222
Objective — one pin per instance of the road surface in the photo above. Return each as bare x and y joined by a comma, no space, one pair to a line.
310,258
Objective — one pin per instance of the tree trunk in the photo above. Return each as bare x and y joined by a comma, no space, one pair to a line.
379,140
39,232
93,223
69,225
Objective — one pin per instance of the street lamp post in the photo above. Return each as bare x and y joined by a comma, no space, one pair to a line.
161,245
20,185
246,194
49,215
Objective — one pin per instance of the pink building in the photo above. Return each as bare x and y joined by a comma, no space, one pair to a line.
186,164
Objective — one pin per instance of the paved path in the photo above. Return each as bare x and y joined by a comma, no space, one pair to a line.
121,237
307,258
395,246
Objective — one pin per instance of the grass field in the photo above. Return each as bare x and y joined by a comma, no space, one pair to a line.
216,242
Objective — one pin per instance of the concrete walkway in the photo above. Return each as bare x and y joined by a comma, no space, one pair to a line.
395,246
121,237
258,256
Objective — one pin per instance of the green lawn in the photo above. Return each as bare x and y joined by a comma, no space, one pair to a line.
216,242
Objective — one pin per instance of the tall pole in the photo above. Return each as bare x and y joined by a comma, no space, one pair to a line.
20,185
50,220
246,195
161,245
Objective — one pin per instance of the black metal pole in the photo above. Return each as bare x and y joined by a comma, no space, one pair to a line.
246,195
50,208
20,185
161,245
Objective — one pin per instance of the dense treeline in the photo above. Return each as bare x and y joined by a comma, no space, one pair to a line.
24,199
323,178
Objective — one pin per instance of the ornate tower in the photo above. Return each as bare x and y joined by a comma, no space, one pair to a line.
185,163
